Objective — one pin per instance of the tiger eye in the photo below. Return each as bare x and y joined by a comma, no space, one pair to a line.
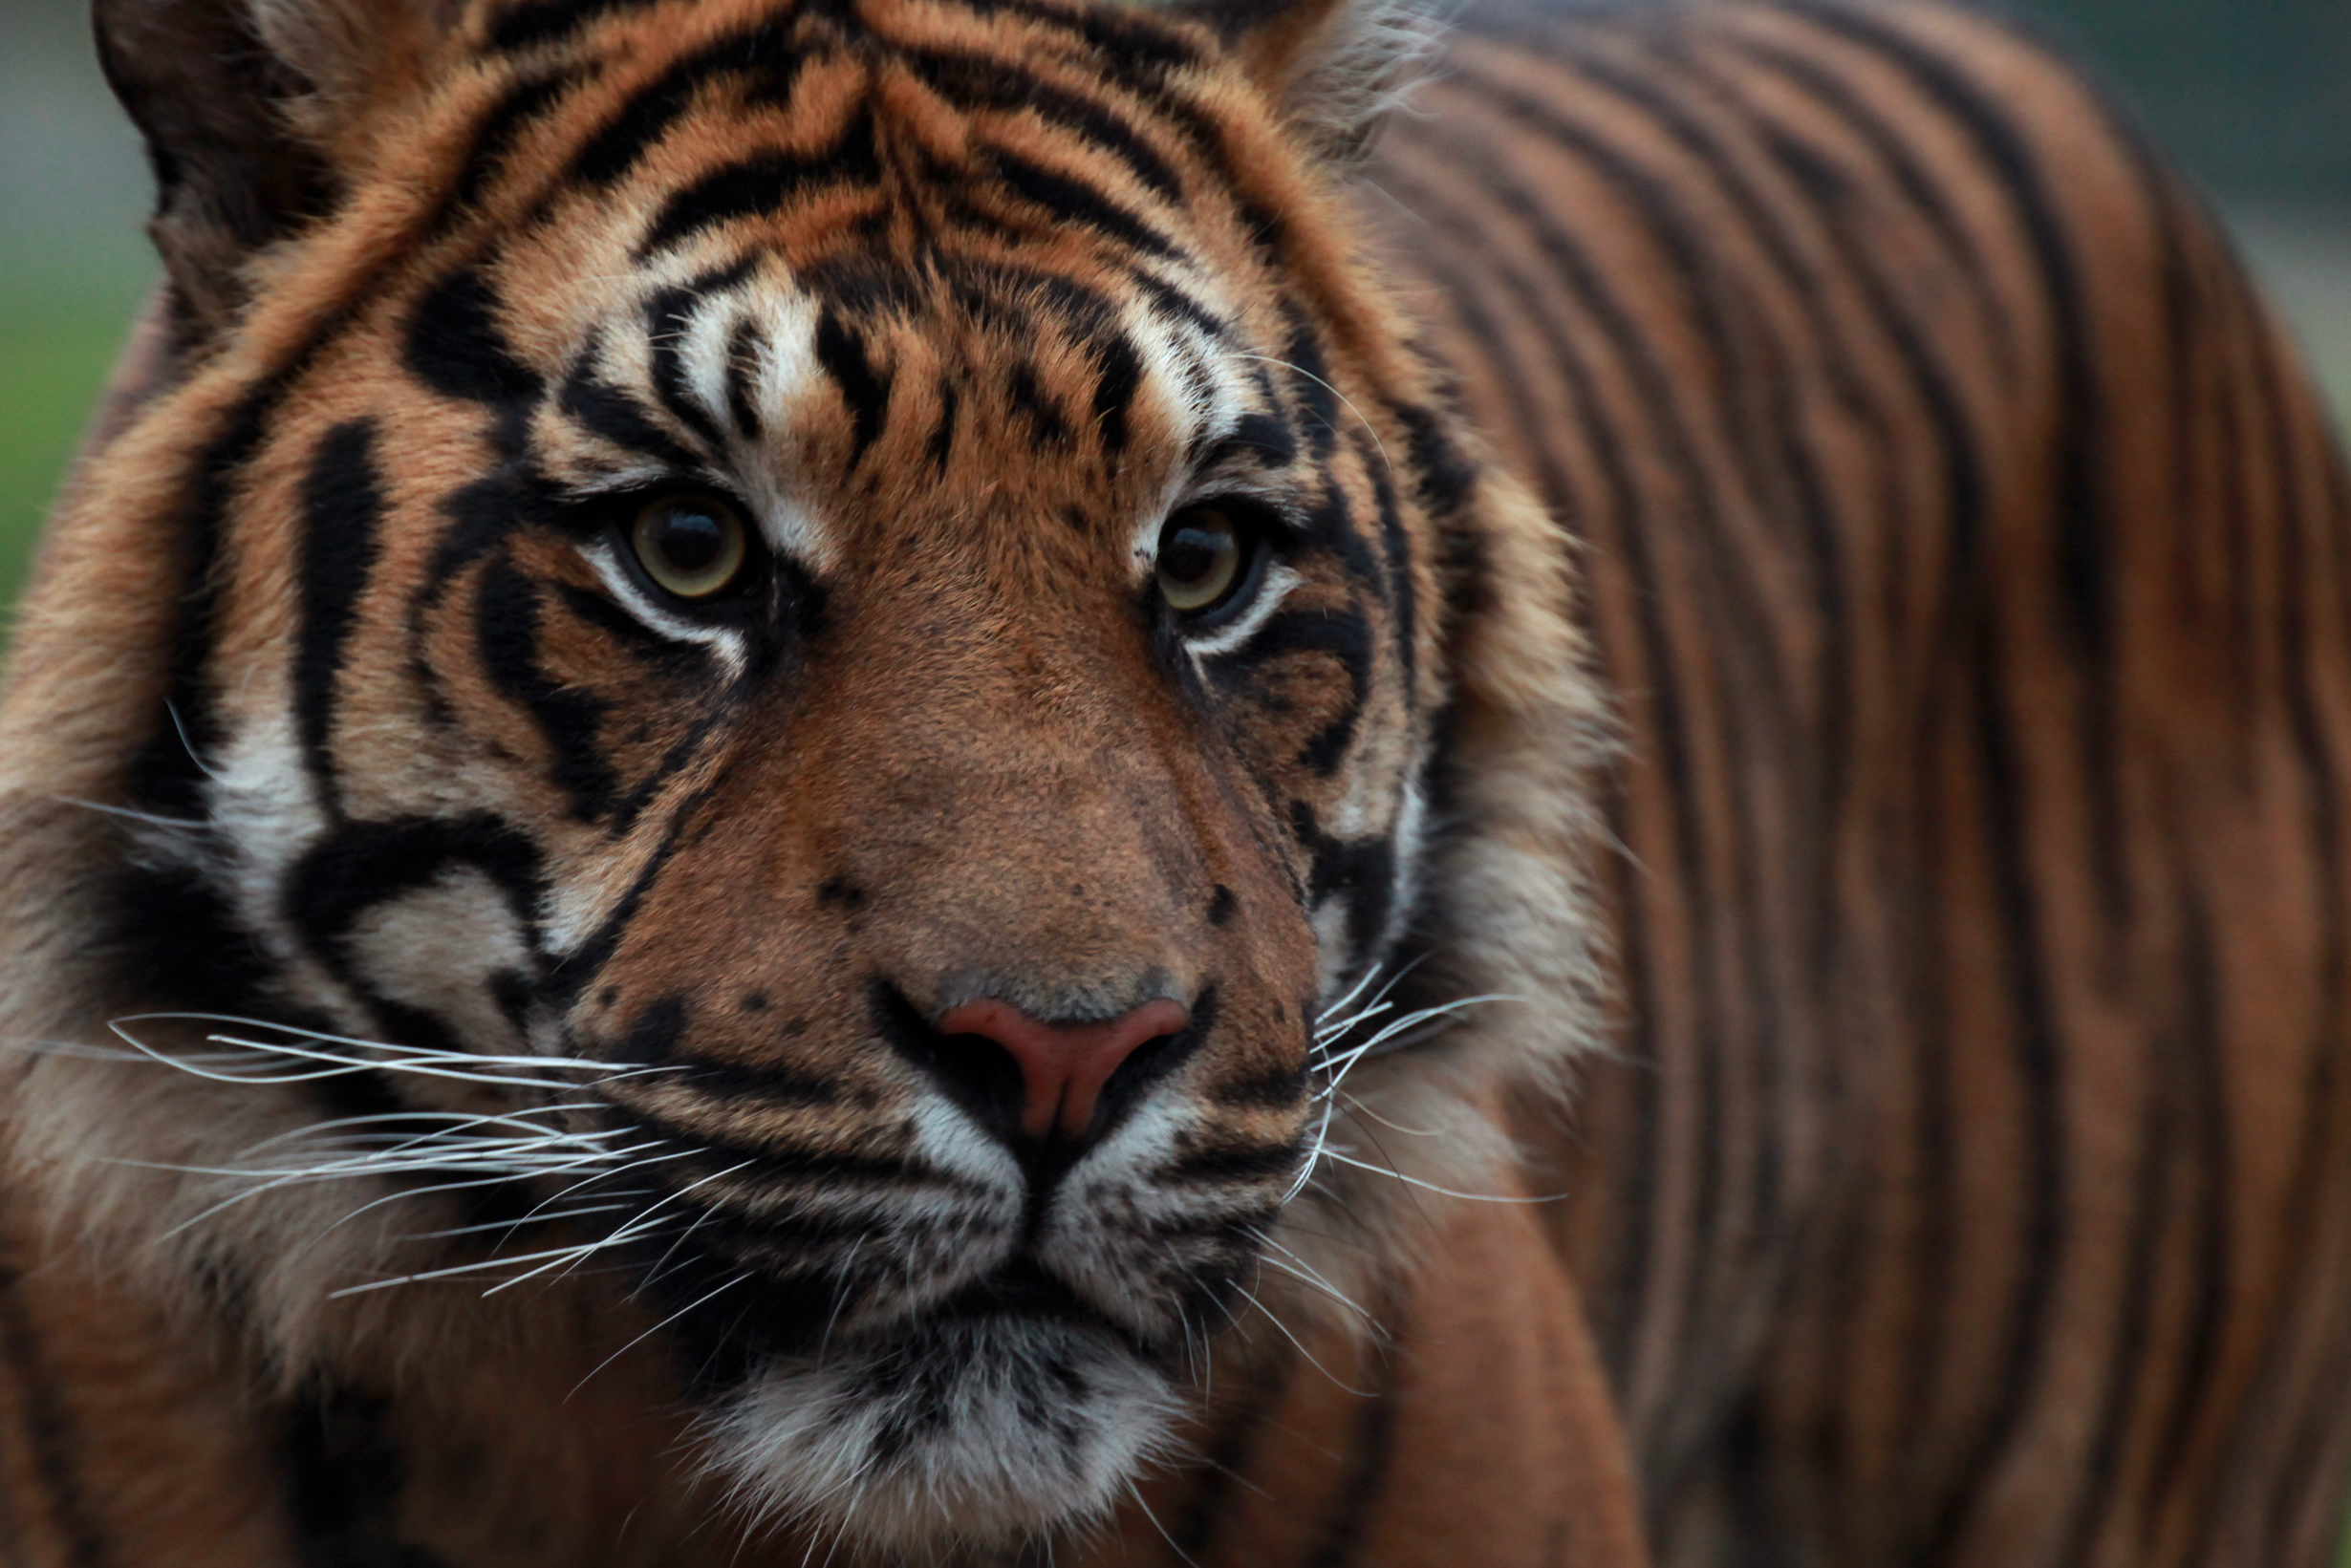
692,546
1200,559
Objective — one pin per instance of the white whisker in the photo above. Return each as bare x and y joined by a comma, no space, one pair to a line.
1446,1191
648,1334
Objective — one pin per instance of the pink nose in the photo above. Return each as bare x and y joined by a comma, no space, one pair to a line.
1064,1065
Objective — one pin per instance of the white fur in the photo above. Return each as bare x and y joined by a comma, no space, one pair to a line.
929,1439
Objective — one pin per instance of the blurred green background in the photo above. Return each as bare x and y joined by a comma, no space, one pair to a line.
2254,95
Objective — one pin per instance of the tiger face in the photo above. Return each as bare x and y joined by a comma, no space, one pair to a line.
814,656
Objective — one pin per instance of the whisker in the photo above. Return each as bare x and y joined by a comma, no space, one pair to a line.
510,1225
1300,1345
1356,1107
648,1334
474,1267
186,825
1310,1276
1447,1192
1136,1493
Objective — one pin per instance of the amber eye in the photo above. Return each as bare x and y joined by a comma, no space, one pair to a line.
693,546
1202,554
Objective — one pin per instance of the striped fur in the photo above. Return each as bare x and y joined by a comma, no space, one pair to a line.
584,1180
1966,556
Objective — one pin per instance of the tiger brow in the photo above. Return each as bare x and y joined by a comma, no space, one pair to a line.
1260,439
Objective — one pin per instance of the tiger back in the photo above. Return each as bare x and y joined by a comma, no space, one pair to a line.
1963,550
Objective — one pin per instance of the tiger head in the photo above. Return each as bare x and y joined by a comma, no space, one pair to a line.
803,653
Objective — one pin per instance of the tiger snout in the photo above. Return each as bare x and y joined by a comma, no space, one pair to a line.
972,1083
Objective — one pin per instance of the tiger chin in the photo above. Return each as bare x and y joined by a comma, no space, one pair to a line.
749,708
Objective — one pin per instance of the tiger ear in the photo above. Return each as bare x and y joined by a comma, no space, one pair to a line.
1333,65
240,102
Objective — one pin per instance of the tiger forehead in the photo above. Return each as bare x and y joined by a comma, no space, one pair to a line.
860,245
902,124
1038,402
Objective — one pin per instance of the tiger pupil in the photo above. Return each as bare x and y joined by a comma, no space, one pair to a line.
1194,555
691,541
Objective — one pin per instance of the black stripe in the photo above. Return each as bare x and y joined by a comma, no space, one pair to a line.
1267,435
1131,49
775,1164
2039,1061
1397,556
496,133
942,434
361,865
481,515
1275,1089
1345,633
2083,528
2182,1140
1661,680
1120,374
744,346
1362,870
48,1425
343,508
506,623
619,419
584,963
840,348
764,186
973,81
654,1038
1370,1451
621,144
2205,1098
1074,202
1171,304
1236,1162
1923,190
1196,1528
345,1472
1026,396
1443,476
767,1086
550,21
1308,379
454,344
167,776
667,319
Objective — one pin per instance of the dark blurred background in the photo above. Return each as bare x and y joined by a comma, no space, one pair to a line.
2254,96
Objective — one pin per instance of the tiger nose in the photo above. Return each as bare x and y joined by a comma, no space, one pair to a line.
1063,1065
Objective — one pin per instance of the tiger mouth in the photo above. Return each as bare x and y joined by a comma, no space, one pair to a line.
1019,1289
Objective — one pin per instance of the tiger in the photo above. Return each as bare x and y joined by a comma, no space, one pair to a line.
1005,782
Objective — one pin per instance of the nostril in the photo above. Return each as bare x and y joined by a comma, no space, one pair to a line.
984,1078
1062,1068
972,1070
